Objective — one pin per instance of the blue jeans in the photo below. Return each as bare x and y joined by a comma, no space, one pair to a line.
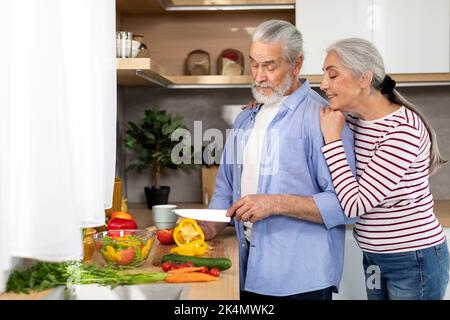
414,275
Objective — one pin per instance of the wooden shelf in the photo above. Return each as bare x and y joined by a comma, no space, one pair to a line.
403,79
408,78
138,72
146,72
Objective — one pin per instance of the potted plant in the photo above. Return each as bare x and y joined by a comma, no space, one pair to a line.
151,141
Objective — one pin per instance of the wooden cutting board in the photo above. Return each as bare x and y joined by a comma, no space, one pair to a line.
216,249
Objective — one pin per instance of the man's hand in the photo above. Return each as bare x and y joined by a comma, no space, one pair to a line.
255,207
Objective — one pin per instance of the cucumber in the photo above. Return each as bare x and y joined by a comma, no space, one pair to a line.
219,263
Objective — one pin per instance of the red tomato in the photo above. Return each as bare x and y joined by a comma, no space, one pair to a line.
166,266
204,270
118,224
165,236
214,272
126,256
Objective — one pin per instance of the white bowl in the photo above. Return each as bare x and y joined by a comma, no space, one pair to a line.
135,48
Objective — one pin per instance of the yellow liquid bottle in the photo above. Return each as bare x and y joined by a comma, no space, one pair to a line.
124,206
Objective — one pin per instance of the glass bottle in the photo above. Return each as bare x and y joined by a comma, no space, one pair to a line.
124,206
88,244
123,44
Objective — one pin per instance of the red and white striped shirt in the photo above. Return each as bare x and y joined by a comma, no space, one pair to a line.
391,194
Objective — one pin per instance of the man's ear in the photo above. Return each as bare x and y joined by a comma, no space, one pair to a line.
366,79
298,65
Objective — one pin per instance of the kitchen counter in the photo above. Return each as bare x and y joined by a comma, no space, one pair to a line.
226,288
442,211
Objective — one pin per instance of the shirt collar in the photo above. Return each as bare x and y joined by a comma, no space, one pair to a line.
297,97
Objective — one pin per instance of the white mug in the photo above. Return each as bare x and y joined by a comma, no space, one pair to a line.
163,216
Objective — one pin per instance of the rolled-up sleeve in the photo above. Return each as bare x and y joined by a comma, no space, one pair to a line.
327,201
223,193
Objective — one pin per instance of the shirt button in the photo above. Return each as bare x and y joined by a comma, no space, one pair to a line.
243,245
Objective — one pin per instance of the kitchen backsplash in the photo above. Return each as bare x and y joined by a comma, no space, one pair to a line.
216,109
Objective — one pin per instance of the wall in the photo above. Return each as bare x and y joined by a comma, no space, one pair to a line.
170,37
212,106
192,105
434,102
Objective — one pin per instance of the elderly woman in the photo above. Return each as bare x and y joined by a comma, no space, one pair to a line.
396,151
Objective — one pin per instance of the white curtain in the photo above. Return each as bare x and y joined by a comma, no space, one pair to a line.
57,126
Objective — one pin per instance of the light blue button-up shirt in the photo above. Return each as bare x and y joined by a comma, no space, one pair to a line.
287,255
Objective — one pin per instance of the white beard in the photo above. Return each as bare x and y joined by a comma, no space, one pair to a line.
277,93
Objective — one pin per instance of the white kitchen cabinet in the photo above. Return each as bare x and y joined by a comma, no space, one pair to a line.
322,22
412,35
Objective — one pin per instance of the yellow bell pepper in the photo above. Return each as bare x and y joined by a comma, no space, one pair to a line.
194,248
145,250
187,231
110,254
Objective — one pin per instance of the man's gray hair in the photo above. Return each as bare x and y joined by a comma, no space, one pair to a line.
273,31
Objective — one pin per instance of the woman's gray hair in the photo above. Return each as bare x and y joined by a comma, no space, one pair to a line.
273,31
359,56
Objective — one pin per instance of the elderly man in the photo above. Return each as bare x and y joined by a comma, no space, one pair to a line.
274,180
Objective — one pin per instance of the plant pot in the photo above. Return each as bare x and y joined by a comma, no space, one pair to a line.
156,196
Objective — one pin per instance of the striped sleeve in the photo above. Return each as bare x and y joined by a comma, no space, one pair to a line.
384,171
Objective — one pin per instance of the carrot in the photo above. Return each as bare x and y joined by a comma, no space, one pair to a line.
185,270
189,277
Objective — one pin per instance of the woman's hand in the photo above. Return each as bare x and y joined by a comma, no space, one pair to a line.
250,105
331,123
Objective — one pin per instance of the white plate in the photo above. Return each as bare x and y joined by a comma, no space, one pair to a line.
203,214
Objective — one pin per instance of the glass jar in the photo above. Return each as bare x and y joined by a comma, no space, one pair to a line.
124,44
88,244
